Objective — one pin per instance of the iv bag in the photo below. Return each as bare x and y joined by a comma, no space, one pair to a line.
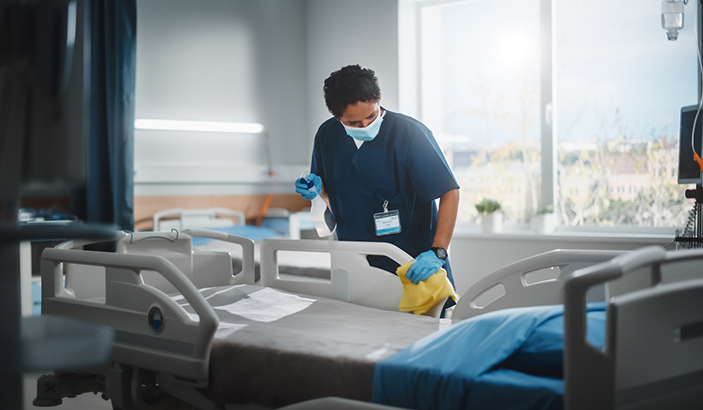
672,18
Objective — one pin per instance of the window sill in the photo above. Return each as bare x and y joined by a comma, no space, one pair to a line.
510,233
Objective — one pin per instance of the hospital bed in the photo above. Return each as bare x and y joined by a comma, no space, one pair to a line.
220,339
180,218
278,222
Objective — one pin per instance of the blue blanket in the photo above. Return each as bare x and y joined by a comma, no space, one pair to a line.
509,359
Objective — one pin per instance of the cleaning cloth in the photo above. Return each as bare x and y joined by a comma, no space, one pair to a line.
420,297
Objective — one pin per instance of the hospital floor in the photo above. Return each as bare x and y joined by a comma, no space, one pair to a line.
88,401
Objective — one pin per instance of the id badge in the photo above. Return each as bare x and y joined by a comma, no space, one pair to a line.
387,222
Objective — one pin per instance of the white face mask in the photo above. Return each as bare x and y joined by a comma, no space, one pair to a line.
366,133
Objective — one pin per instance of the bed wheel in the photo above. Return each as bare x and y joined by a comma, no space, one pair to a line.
52,388
48,392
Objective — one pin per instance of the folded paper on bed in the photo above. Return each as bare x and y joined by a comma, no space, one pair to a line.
267,305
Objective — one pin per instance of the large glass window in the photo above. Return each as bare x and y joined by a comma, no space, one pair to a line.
618,86
480,96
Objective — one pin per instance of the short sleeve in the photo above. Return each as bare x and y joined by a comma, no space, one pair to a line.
428,170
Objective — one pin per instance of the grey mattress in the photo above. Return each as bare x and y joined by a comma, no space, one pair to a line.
274,348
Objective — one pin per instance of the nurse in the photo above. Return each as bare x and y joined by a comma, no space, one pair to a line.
380,172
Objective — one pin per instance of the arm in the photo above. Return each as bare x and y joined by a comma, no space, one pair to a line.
323,195
427,263
446,218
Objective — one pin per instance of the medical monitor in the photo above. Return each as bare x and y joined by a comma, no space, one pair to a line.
689,171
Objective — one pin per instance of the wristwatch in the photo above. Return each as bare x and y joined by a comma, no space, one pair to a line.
440,252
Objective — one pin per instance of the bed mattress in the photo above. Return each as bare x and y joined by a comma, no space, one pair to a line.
274,348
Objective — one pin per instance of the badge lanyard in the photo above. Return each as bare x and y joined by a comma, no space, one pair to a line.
387,222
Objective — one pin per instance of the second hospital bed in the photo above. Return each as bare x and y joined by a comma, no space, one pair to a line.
213,338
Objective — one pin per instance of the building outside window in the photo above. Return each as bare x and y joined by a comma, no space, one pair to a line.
599,103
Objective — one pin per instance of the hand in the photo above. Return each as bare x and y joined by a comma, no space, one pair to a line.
301,186
426,264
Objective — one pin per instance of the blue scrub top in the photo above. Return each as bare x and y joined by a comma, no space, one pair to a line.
402,165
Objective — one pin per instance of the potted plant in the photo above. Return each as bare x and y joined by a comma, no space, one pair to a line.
544,221
491,215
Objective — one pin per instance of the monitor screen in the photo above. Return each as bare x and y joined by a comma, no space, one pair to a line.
689,171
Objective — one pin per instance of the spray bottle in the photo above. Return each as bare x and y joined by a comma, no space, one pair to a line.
325,224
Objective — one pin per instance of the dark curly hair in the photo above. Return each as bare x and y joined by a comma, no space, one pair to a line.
350,85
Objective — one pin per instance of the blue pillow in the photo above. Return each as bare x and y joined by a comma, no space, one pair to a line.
542,353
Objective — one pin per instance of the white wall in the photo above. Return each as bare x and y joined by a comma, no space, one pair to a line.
247,61
344,32
210,60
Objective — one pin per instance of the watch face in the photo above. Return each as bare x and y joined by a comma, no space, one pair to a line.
440,252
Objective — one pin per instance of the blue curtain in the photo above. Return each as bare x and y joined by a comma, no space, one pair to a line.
109,194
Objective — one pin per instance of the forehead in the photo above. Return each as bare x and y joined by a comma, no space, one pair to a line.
359,111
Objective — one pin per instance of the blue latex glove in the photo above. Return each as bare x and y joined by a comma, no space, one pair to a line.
426,264
301,186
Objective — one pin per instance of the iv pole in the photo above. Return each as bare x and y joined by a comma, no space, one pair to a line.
697,240
699,187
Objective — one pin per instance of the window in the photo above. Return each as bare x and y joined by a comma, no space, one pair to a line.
587,122
481,98
620,85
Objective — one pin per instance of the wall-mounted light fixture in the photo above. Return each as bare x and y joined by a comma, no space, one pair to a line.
206,126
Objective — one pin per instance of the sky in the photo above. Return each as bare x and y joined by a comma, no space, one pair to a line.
616,72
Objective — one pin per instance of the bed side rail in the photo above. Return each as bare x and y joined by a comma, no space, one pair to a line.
654,349
514,286
247,275
203,268
152,330
352,278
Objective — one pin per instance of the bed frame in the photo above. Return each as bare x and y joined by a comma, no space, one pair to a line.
176,358
653,357
533,281
352,279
